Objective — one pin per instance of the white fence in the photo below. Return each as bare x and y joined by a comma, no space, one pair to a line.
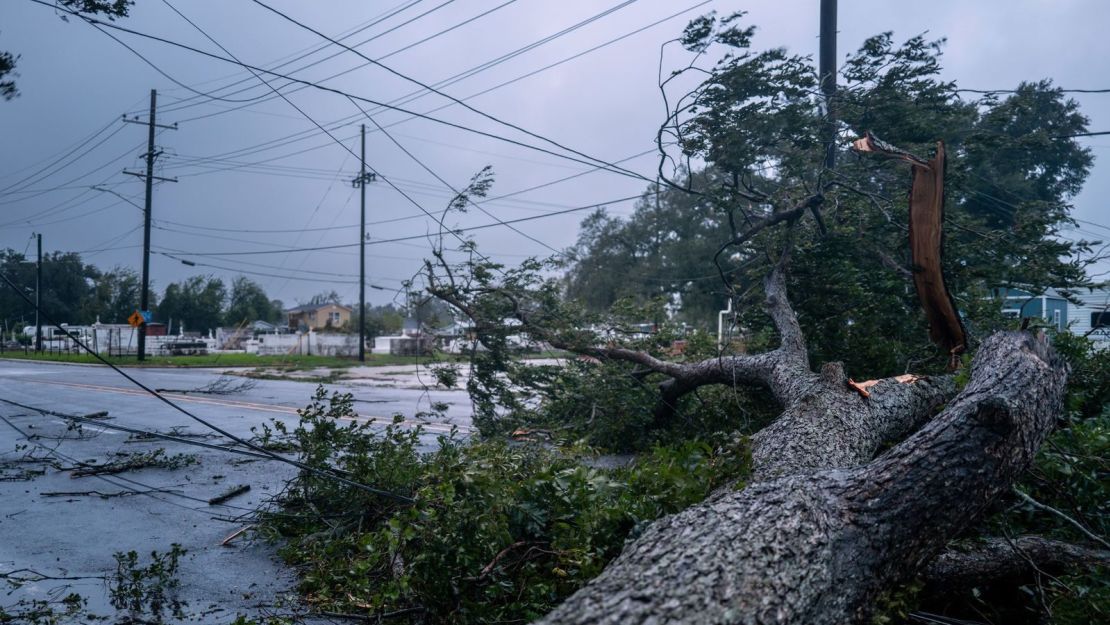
123,340
119,339
303,343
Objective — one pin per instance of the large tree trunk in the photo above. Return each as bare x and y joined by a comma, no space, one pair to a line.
825,526
824,529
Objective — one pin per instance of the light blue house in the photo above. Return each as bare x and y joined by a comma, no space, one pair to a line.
1090,316
1049,306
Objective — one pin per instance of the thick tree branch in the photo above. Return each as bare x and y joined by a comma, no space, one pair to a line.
994,560
783,370
830,426
758,224
792,342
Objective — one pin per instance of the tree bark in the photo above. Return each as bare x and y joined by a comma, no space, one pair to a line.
820,534
996,560
828,425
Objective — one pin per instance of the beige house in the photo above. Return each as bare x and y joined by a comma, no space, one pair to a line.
318,316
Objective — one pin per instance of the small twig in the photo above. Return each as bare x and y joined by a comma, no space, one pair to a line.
501,554
1047,508
34,576
368,618
350,617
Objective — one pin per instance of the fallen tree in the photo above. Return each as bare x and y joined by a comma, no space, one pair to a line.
824,527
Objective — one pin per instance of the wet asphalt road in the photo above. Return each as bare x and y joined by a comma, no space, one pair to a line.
76,535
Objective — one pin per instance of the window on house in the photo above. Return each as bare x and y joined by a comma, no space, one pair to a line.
1011,313
1056,318
1100,319
333,317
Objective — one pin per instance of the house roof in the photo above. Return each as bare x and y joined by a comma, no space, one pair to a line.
312,307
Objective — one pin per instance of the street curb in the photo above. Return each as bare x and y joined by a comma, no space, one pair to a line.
122,366
53,362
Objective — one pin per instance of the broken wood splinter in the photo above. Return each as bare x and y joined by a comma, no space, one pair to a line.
861,387
232,536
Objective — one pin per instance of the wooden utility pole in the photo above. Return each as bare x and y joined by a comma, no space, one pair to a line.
827,73
149,178
360,182
38,297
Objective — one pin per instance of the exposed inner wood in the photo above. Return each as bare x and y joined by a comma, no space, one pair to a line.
946,329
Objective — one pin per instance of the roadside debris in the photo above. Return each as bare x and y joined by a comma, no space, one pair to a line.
133,461
176,432
226,542
229,494
96,493
223,385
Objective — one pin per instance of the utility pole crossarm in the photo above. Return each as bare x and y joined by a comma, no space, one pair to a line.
364,179
140,174
136,120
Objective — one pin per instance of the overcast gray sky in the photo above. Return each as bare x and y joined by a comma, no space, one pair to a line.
76,81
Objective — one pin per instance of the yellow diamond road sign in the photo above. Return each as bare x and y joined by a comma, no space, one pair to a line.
136,319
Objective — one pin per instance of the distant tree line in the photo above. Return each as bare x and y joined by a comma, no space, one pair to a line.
79,293
73,291
204,302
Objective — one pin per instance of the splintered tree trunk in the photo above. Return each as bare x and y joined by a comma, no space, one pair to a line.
824,528
927,243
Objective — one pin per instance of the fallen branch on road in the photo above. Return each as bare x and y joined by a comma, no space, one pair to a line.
132,462
96,493
30,575
223,385
229,494
226,542
176,432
